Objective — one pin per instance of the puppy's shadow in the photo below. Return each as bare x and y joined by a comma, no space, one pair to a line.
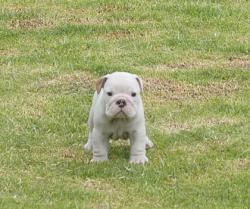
119,149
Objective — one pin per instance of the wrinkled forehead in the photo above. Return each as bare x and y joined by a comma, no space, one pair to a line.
122,84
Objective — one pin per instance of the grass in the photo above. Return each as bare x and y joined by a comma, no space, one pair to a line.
194,58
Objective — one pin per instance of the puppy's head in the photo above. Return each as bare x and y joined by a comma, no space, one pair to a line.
121,94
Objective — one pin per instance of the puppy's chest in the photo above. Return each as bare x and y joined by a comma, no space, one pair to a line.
119,130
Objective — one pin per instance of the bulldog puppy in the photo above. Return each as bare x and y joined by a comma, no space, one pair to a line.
117,112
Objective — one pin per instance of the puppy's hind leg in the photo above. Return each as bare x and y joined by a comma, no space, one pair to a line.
149,143
89,145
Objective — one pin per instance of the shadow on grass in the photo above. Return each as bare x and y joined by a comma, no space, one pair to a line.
119,150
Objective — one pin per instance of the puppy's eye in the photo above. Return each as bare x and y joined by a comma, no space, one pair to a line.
133,94
109,93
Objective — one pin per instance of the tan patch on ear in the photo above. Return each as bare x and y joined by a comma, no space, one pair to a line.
100,83
139,80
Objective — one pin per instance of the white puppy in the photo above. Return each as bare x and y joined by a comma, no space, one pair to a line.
117,112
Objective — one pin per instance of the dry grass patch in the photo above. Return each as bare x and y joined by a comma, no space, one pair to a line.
31,111
15,9
239,164
33,105
31,24
201,148
124,34
162,90
232,62
11,52
238,62
85,16
98,185
108,8
119,34
73,81
43,70
75,20
68,153
111,196
196,149
174,127
180,66
83,21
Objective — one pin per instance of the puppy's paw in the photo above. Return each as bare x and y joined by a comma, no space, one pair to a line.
138,159
149,143
88,147
99,159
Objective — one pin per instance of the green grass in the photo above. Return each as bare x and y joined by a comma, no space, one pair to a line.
194,57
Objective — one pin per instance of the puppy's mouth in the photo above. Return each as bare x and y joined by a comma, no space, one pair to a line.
120,114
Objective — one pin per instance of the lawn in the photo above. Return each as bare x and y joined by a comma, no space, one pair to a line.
194,58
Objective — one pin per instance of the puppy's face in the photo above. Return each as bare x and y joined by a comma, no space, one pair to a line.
121,93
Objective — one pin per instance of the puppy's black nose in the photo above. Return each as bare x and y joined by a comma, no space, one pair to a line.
121,103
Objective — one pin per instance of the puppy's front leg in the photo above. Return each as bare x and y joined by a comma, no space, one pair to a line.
100,146
138,151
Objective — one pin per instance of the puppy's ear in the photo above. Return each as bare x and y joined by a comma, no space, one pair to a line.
100,83
139,80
